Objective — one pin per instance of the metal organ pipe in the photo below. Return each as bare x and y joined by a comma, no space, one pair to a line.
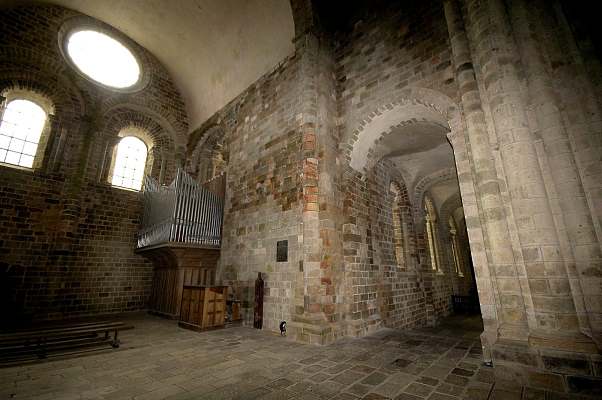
183,212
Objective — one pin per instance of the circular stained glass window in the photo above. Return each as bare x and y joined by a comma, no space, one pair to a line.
103,59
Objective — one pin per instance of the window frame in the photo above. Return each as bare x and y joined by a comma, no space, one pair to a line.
143,137
85,23
40,157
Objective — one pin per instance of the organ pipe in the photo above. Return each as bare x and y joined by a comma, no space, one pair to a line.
183,212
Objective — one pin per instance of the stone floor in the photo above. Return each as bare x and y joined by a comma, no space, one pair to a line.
158,360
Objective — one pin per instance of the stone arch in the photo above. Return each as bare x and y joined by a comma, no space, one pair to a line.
18,71
161,163
422,187
449,206
204,147
463,281
446,211
415,105
68,102
117,111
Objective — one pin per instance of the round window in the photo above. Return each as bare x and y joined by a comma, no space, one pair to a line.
103,59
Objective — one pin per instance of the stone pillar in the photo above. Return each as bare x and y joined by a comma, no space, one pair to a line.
580,247
316,315
71,202
502,283
582,118
456,253
50,138
498,57
431,243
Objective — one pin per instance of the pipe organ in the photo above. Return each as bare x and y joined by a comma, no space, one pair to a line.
181,235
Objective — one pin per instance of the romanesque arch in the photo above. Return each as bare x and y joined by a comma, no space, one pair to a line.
362,146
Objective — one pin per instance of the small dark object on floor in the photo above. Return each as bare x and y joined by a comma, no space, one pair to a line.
283,328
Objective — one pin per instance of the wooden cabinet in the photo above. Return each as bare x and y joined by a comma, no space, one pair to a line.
176,266
203,307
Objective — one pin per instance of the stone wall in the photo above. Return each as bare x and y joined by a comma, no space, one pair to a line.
385,53
284,140
261,137
383,291
68,237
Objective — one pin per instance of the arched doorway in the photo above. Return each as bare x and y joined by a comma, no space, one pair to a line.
416,143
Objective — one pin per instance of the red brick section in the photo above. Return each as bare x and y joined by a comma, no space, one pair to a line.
67,239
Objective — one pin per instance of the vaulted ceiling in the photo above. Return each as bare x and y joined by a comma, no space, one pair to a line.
214,49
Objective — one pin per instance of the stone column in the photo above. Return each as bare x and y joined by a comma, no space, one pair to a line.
576,230
503,281
552,313
431,243
582,117
71,202
48,142
455,252
316,315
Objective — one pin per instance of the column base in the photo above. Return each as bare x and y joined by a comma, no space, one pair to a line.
569,363
312,328
577,342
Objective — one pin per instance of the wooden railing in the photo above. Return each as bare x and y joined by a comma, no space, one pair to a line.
183,212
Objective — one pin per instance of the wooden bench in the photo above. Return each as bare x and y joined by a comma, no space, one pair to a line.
40,342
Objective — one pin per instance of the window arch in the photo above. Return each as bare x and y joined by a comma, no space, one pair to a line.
431,234
129,163
453,233
398,228
24,129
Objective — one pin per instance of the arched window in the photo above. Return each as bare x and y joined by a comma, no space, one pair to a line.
453,233
129,163
398,232
23,122
431,233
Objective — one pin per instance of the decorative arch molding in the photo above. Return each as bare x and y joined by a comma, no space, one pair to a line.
422,187
449,206
18,72
414,105
160,142
124,117
206,143
140,114
178,131
68,105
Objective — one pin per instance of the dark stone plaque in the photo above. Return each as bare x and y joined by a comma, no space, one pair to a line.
282,250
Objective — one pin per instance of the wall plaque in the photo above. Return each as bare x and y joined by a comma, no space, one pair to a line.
282,250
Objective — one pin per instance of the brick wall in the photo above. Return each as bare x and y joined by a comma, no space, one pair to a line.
301,115
383,54
383,291
262,141
387,51
67,240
